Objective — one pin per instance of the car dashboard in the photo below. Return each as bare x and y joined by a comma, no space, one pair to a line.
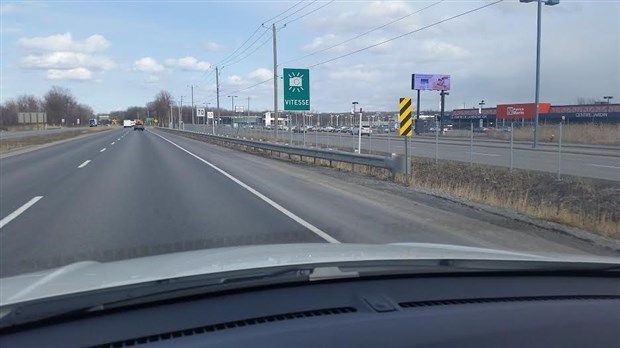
471,310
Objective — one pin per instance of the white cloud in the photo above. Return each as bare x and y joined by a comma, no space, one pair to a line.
439,50
65,42
188,64
357,73
260,74
213,47
322,42
69,74
255,76
147,64
66,60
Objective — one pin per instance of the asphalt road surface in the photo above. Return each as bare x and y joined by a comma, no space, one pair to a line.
585,161
124,194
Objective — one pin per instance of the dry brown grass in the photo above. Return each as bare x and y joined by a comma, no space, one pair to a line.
12,144
582,203
594,134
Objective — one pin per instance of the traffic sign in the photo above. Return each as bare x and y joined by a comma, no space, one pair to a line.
200,112
297,89
210,114
404,117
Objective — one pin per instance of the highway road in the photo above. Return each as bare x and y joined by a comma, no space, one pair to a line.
124,194
577,160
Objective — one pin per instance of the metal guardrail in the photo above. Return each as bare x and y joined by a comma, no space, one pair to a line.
396,164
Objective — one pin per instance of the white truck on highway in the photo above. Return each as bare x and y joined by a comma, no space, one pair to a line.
128,123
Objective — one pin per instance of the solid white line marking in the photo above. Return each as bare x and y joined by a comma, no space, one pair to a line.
283,210
19,211
603,166
84,164
114,142
484,154
102,149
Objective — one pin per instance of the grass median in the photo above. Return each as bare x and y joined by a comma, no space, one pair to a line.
589,204
13,144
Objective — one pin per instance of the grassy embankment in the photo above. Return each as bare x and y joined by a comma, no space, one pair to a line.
12,144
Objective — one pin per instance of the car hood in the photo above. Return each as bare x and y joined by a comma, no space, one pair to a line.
91,275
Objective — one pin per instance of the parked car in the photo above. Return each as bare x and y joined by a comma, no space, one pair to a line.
365,130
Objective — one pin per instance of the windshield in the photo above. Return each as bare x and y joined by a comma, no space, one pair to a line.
149,129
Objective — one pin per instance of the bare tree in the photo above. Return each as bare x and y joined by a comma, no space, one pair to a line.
59,104
161,106
8,113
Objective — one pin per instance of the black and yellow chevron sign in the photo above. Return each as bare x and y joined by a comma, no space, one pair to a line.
404,117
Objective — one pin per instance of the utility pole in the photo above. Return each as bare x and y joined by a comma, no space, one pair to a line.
217,89
275,78
181,112
192,87
170,118
248,106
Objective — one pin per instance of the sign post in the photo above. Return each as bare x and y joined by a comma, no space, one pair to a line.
210,117
200,112
405,127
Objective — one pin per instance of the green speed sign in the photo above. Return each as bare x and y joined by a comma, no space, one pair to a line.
297,89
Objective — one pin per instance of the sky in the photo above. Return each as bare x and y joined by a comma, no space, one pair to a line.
116,54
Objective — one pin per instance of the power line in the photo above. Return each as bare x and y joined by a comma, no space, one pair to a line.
249,54
248,47
246,88
308,13
283,12
232,55
364,33
383,42
301,9
407,33
243,44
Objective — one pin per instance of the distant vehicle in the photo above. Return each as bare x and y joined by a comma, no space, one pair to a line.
92,122
484,130
365,130
128,123
138,125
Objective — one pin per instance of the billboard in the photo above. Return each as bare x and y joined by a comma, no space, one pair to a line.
31,117
519,111
430,82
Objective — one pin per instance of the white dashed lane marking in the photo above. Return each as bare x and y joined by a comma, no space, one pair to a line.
19,211
84,164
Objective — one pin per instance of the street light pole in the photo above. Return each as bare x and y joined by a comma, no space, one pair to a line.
538,30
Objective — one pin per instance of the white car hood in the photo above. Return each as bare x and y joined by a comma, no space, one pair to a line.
91,275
